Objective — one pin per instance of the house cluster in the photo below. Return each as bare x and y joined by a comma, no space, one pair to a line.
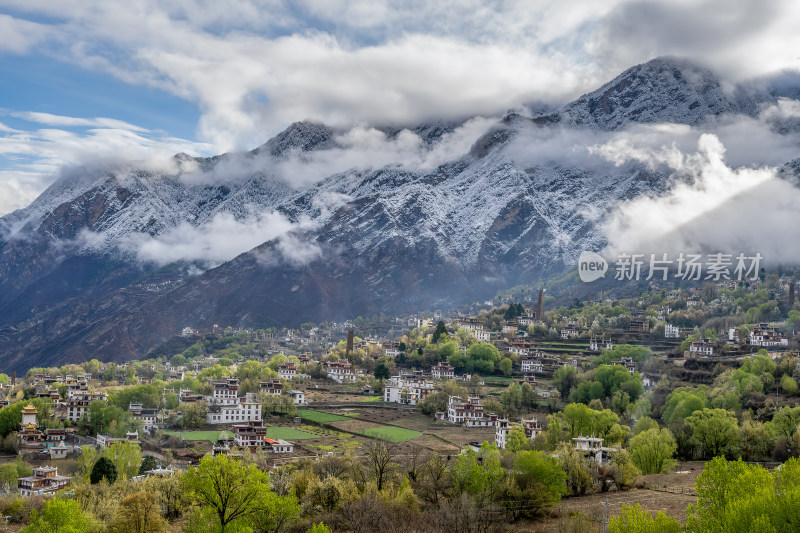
407,389
253,436
503,427
50,442
701,348
45,481
536,362
593,448
596,345
627,362
226,405
341,371
762,335
275,386
671,332
443,371
77,396
469,413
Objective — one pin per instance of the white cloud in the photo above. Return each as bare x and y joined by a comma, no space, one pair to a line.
34,158
220,240
252,67
711,207
59,120
19,189
20,36
360,147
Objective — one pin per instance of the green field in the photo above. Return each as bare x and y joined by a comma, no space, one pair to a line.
372,399
390,433
320,417
498,379
278,432
210,436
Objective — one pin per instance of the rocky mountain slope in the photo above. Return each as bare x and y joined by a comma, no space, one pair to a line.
373,238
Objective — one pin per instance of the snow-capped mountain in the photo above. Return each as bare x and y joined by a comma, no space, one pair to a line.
367,238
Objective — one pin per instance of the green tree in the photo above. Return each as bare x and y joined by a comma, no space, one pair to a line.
582,420
634,519
788,385
564,379
103,469
382,371
785,421
478,474
625,472
148,463
716,430
643,424
139,513
735,496
275,513
194,414
434,402
126,456
617,377
171,401
58,516
539,480
517,440
226,488
506,366
439,333
652,451
511,399
9,472
575,465
482,358
681,403
754,440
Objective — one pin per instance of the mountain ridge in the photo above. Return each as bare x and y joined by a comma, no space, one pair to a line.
360,241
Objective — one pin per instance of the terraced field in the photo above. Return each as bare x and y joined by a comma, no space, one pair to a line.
320,417
390,433
287,433
210,436
377,431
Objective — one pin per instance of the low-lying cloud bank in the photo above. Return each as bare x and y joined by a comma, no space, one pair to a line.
726,195
712,207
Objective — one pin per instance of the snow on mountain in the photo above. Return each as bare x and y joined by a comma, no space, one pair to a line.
449,220
662,90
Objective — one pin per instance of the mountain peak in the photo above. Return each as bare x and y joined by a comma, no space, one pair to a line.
665,89
303,136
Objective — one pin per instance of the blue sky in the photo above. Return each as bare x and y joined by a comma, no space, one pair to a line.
91,79
43,84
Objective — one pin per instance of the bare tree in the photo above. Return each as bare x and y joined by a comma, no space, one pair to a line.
380,458
434,479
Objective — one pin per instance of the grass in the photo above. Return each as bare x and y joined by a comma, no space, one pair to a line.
210,436
278,432
498,379
320,417
372,399
390,433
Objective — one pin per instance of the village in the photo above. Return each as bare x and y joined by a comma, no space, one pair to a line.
506,376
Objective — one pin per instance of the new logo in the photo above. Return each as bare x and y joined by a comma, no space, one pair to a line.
591,266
